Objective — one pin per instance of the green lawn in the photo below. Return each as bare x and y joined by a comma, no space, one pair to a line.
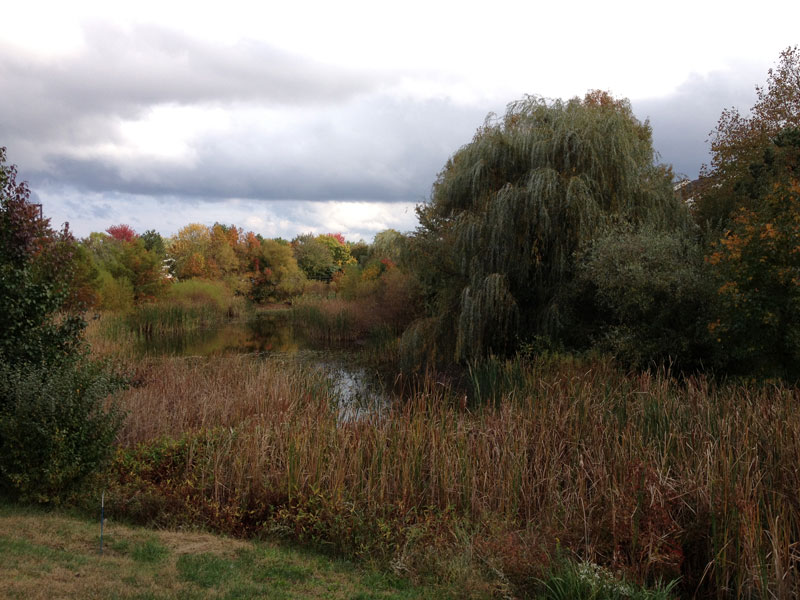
52,555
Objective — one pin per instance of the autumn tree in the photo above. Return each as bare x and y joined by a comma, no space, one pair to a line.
54,427
340,250
136,262
36,267
111,293
143,268
315,256
388,244
189,248
83,281
359,250
129,272
758,265
273,272
122,233
222,259
739,139
496,243
364,276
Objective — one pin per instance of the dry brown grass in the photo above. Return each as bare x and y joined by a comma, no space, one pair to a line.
103,345
173,396
639,472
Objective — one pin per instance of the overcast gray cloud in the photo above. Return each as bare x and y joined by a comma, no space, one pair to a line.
377,148
119,74
139,120
122,69
336,134
682,121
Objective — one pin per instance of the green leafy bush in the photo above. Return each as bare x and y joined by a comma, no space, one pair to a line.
53,428
114,294
651,291
32,329
193,292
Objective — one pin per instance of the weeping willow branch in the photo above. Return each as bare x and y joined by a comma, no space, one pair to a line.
510,208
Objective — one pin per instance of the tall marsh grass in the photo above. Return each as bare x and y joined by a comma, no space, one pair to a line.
189,304
333,321
329,321
640,473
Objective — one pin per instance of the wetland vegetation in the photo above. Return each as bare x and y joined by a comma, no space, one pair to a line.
569,382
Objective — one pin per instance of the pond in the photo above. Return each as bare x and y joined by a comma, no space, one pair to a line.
271,335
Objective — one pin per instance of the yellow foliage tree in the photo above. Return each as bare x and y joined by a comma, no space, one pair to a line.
189,248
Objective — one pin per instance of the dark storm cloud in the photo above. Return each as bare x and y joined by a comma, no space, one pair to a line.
682,121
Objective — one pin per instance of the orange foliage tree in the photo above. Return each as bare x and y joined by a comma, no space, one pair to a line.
738,140
758,263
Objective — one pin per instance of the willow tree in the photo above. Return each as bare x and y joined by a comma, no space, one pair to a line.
496,245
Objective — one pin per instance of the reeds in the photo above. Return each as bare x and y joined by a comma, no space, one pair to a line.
327,321
164,318
338,321
642,473
189,305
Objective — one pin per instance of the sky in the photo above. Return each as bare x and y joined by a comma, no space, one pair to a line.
295,117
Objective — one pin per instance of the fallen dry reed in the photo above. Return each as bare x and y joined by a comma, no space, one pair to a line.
642,473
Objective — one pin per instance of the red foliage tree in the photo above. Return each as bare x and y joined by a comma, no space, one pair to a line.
338,237
122,232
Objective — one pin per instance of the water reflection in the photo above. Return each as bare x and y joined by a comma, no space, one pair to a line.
266,332
358,390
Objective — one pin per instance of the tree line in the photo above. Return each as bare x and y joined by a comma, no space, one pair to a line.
119,269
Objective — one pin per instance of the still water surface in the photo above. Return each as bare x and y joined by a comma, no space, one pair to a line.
358,389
